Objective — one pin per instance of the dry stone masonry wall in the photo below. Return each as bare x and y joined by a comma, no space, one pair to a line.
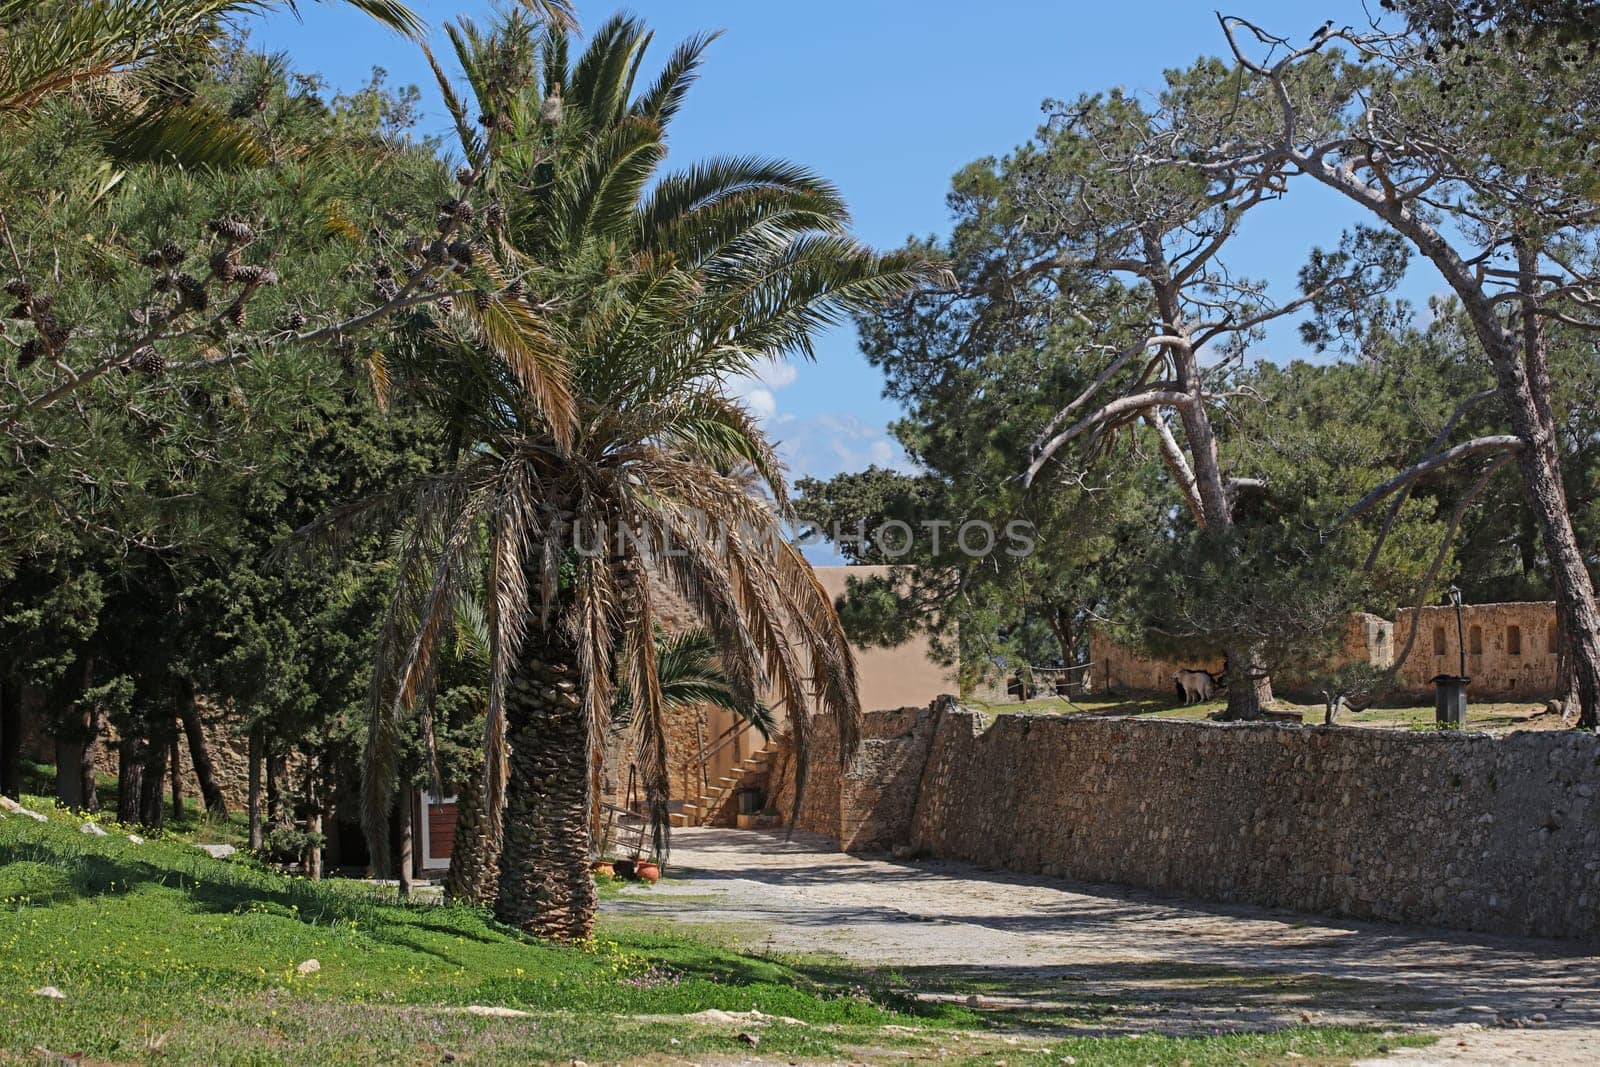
1445,829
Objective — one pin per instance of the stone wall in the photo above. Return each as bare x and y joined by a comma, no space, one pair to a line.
1447,829
1512,649
820,803
229,754
880,784
1367,638
1120,670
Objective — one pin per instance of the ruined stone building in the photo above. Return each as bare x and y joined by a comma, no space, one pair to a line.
1512,653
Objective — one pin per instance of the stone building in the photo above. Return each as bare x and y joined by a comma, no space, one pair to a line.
1512,653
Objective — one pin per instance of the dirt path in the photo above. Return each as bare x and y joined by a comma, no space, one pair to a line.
1098,959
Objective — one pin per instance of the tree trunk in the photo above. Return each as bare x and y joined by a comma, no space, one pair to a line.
205,771
92,720
69,772
546,886
269,759
312,860
77,744
1580,617
176,767
254,801
10,738
1249,688
1541,460
474,870
1522,378
405,865
153,781
1249,685
130,777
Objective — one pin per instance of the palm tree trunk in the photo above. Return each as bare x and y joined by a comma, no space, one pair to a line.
546,886
474,870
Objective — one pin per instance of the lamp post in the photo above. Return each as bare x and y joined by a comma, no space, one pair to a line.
1450,690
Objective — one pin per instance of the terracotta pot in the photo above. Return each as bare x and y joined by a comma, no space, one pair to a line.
603,869
647,871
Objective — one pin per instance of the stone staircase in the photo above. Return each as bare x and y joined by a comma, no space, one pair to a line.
704,808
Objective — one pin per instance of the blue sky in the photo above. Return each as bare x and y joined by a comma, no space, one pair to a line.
888,98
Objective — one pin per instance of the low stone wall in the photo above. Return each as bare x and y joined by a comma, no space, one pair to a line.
1444,829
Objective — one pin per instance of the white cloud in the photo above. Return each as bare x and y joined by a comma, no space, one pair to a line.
758,388
820,446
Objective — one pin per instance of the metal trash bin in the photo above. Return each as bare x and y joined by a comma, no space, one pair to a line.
1450,700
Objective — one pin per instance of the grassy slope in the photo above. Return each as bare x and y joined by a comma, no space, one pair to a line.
167,955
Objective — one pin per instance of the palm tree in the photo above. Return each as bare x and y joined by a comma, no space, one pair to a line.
111,55
583,383
690,670
51,47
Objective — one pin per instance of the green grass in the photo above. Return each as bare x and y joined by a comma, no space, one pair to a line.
166,955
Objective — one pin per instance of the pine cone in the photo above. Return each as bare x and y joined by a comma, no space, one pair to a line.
147,360
382,269
413,245
224,265
467,176
481,300
514,289
386,289
295,321
50,328
446,305
252,276
173,254
194,293
466,213
29,353
236,314
19,289
233,231
164,282
152,259
496,215
461,252
448,208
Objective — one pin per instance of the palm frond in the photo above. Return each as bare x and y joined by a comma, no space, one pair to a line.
536,362
661,101
191,135
393,14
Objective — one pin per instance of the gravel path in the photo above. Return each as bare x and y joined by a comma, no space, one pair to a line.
1101,959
